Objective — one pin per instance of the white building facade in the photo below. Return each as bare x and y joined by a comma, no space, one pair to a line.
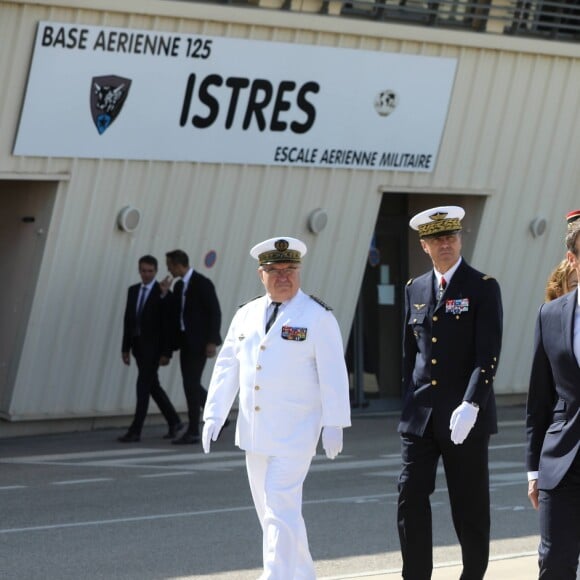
139,127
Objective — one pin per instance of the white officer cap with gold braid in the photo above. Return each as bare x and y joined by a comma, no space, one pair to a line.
279,249
438,221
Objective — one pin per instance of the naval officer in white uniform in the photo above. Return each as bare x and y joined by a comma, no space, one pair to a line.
283,355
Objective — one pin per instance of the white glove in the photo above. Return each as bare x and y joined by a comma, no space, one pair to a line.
332,441
462,421
211,431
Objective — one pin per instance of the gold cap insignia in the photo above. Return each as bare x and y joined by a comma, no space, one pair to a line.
281,245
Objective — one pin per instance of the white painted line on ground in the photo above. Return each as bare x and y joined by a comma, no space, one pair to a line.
77,481
217,511
84,455
123,520
174,474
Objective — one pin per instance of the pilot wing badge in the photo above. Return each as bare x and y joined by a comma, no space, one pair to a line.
108,95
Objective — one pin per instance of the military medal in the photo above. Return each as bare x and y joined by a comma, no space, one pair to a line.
457,305
293,333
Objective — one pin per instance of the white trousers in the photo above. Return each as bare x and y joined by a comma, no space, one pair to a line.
276,486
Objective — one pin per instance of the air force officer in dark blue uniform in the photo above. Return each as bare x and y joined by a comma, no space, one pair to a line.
452,341
553,428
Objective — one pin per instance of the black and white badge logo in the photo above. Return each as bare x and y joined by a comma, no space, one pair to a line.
386,102
108,95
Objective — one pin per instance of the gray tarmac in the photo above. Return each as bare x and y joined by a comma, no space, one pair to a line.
83,506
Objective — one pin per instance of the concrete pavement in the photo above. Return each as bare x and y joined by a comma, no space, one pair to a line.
514,568
155,511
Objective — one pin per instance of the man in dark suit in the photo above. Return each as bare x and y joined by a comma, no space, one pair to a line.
196,322
553,428
146,334
451,346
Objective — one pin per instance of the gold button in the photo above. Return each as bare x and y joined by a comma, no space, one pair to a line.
433,361
256,408
435,318
434,382
482,370
492,366
256,388
434,339
414,320
457,316
486,381
258,367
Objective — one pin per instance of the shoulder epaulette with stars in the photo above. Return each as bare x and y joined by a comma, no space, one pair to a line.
409,281
250,300
323,304
486,277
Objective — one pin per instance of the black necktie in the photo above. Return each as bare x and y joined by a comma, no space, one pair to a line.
181,319
442,286
273,315
141,302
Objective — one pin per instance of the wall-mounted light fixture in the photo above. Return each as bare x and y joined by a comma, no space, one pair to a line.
317,220
128,219
538,227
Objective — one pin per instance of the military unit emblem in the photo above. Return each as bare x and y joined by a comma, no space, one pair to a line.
108,95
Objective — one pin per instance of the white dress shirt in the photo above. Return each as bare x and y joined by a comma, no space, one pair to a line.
448,275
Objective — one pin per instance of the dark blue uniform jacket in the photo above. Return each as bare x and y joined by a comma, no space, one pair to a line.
450,350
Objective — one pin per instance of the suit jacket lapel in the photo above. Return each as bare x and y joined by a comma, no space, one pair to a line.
295,305
257,315
132,302
293,309
178,293
153,294
568,324
134,296
425,294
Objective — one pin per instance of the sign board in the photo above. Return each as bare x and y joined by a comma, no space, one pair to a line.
119,93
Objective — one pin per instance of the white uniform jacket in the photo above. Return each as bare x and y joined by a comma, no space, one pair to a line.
291,381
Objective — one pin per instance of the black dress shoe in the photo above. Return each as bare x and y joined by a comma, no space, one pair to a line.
173,430
129,438
186,439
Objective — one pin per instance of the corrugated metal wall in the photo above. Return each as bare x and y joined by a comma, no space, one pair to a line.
512,133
